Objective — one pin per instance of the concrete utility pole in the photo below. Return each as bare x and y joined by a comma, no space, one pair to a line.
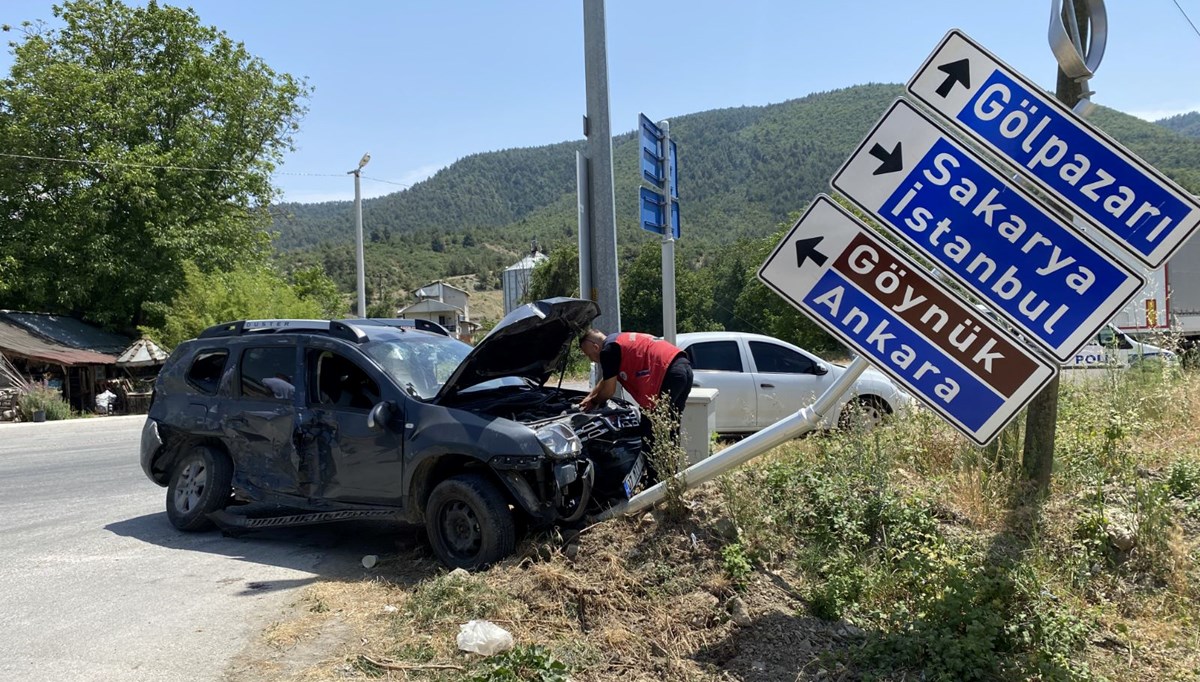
1037,461
598,262
358,235
668,240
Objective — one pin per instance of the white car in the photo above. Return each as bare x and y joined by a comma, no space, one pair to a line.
761,380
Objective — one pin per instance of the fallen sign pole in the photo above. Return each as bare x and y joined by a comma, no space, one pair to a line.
748,448
885,306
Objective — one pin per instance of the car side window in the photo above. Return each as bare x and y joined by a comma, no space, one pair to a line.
336,382
268,372
722,356
205,372
769,357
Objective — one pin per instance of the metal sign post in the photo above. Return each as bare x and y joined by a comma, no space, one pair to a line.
660,169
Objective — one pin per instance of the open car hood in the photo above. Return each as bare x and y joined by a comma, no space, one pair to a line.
529,342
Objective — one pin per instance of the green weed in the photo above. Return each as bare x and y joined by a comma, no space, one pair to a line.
453,597
522,664
736,564
667,457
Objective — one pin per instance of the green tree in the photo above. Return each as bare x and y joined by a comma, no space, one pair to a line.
641,294
136,140
558,275
212,298
312,283
760,310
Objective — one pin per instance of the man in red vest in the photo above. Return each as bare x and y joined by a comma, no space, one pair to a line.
647,367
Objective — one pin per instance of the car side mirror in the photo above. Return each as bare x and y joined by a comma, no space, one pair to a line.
380,415
820,369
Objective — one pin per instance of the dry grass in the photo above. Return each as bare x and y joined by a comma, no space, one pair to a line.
649,599
641,599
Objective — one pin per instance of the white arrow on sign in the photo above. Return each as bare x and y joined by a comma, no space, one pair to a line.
1108,185
1007,247
885,306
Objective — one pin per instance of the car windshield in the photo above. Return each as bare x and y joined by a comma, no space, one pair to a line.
419,363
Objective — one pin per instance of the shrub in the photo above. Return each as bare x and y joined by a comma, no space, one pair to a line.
45,399
667,457
1183,480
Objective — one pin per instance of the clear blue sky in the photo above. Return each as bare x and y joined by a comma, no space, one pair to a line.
422,83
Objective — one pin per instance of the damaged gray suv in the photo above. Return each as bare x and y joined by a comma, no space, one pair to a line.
267,423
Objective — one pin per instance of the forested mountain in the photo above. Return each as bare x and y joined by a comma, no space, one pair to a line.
742,172
1185,124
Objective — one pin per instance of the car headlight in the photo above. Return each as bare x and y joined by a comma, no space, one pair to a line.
559,441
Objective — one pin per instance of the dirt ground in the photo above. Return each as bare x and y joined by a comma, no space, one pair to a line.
631,599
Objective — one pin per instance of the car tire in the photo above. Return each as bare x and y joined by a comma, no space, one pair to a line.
469,523
863,413
201,483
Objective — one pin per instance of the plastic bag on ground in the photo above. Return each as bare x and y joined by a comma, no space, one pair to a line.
484,638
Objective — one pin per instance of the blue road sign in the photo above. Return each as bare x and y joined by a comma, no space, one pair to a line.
652,213
884,305
1007,247
1136,206
651,136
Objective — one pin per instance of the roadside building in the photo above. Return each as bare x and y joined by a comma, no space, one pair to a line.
517,277
61,353
444,304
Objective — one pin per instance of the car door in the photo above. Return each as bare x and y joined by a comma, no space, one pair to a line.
719,364
260,431
785,379
354,463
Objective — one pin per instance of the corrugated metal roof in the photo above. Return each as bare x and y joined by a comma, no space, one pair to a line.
68,332
142,353
18,341
435,289
528,262
430,306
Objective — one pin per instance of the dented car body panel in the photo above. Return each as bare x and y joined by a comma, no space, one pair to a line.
295,411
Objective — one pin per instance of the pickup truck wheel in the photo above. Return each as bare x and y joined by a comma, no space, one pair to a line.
200,484
469,523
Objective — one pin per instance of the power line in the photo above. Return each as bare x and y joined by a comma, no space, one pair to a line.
387,182
1185,16
125,164
152,166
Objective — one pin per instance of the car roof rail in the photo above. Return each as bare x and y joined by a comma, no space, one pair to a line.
334,328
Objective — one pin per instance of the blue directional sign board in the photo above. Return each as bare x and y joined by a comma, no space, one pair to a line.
654,170
1004,245
652,213
884,305
1132,203
651,137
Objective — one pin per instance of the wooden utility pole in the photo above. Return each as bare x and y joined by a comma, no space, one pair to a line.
1037,460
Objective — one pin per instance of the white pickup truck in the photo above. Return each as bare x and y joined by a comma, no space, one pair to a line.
1113,349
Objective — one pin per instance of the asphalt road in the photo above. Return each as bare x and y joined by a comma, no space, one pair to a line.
95,584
